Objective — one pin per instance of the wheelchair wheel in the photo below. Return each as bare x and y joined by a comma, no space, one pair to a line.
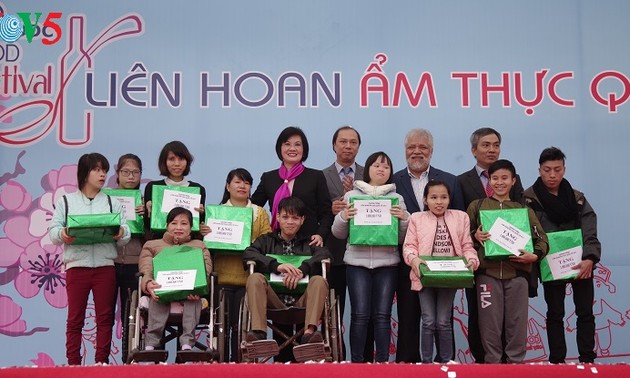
129,330
125,331
244,324
336,342
222,327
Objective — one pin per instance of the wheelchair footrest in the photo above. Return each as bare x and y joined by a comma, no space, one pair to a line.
184,356
155,356
311,352
260,349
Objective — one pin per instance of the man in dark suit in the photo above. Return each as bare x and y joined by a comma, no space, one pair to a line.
410,183
486,147
340,176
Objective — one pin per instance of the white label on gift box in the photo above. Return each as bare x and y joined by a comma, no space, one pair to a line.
373,212
173,199
560,263
129,207
225,231
507,236
447,266
176,279
279,278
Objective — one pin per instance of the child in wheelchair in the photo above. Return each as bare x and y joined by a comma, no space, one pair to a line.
178,233
286,241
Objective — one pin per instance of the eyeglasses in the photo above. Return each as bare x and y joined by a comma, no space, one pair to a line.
126,172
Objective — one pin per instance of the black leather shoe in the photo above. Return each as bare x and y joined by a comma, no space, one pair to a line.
255,336
315,337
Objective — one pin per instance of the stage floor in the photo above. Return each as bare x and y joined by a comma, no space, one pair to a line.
328,370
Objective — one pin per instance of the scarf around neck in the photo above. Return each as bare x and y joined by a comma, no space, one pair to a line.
562,208
371,190
170,182
283,191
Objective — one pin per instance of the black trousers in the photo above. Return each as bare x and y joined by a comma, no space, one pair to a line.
474,337
126,282
583,296
408,305
337,281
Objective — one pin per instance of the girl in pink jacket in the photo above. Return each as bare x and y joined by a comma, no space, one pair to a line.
437,232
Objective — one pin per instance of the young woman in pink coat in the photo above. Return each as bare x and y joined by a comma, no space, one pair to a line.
437,232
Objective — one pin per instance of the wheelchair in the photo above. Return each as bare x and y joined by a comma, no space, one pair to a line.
330,350
136,323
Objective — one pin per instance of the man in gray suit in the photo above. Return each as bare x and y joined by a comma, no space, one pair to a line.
485,145
340,177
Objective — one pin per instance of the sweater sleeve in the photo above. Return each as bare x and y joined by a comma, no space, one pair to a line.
402,224
257,252
145,265
117,208
592,246
468,249
260,194
57,223
410,246
324,205
541,243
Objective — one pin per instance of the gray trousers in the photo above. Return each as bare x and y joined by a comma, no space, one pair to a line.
158,316
503,305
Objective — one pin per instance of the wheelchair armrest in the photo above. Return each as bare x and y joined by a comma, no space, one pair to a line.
250,266
325,267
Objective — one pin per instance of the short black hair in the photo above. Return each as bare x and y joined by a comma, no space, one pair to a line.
371,159
502,164
292,205
347,127
433,183
242,174
551,154
177,211
87,163
288,133
180,150
482,132
123,159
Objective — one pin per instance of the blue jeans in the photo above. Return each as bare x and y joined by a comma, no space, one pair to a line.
436,306
371,295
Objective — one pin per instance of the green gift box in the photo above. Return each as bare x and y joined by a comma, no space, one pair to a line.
231,228
517,218
565,251
366,226
129,199
175,196
450,279
93,228
175,263
295,260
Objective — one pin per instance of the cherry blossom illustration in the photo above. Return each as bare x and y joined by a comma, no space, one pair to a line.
42,270
11,323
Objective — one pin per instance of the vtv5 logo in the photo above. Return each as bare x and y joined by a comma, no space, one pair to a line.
13,26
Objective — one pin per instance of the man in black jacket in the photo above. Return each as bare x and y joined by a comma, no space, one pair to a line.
286,241
559,207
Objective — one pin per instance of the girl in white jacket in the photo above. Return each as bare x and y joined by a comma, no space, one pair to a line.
89,268
372,271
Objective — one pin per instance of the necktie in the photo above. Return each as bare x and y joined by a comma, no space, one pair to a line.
488,188
347,178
